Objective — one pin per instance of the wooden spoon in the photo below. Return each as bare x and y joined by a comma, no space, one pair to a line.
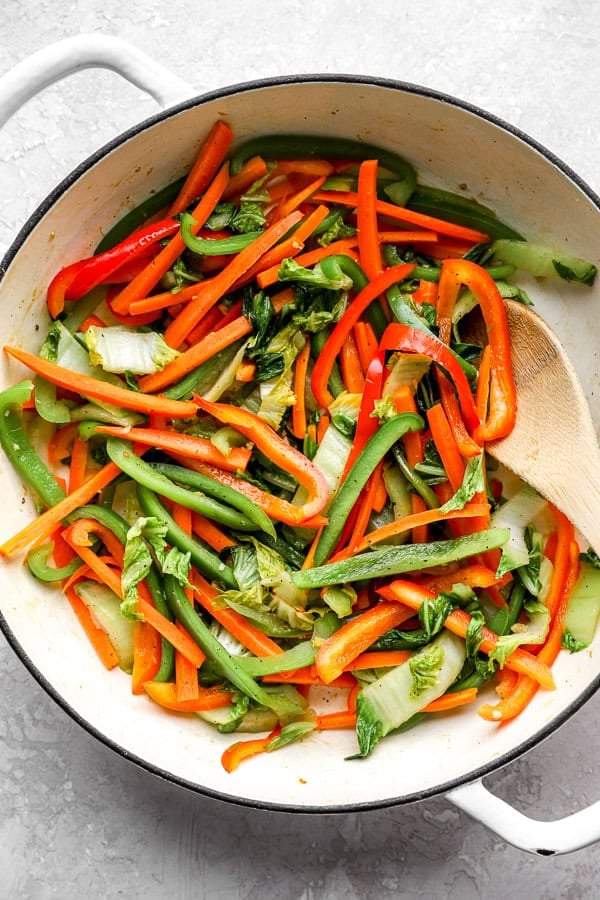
553,446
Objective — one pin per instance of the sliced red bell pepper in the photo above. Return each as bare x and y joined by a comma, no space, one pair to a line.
367,424
502,407
62,281
278,451
403,337
333,344
80,277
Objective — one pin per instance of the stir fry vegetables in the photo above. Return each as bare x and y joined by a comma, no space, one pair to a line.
267,464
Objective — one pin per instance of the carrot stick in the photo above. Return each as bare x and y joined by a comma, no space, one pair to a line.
186,677
366,343
307,676
350,366
169,630
289,248
102,390
165,694
417,520
413,595
246,371
78,467
322,426
211,155
41,528
451,701
143,283
344,719
405,402
147,648
474,575
214,289
378,659
401,213
465,443
111,577
96,636
297,199
313,167
60,445
207,324
365,503
210,533
241,628
250,172
446,445
369,251
237,753
408,237
182,444
189,360
268,277
299,421
356,636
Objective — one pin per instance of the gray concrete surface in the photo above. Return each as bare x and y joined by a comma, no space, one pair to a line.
76,820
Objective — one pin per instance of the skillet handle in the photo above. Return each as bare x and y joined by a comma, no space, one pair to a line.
541,838
85,51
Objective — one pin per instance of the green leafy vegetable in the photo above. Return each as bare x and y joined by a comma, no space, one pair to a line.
473,483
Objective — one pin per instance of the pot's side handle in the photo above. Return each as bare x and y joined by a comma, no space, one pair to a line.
542,838
84,51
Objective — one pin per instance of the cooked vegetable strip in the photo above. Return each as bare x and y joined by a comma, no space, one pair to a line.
102,390
333,345
309,146
42,528
160,264
96,636
387,561
502,410
252,170
190,359
241,750
189,618
276,508
203,559
348,493
458,622
403,337
214,289
356,636
18,449
165,694
212,153
278,450
183,444
415,520
238,626
227,495
402,214
299,422
368,240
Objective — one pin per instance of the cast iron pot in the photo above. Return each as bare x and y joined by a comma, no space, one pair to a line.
452,144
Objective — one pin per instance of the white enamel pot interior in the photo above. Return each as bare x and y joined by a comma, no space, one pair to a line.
452,145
